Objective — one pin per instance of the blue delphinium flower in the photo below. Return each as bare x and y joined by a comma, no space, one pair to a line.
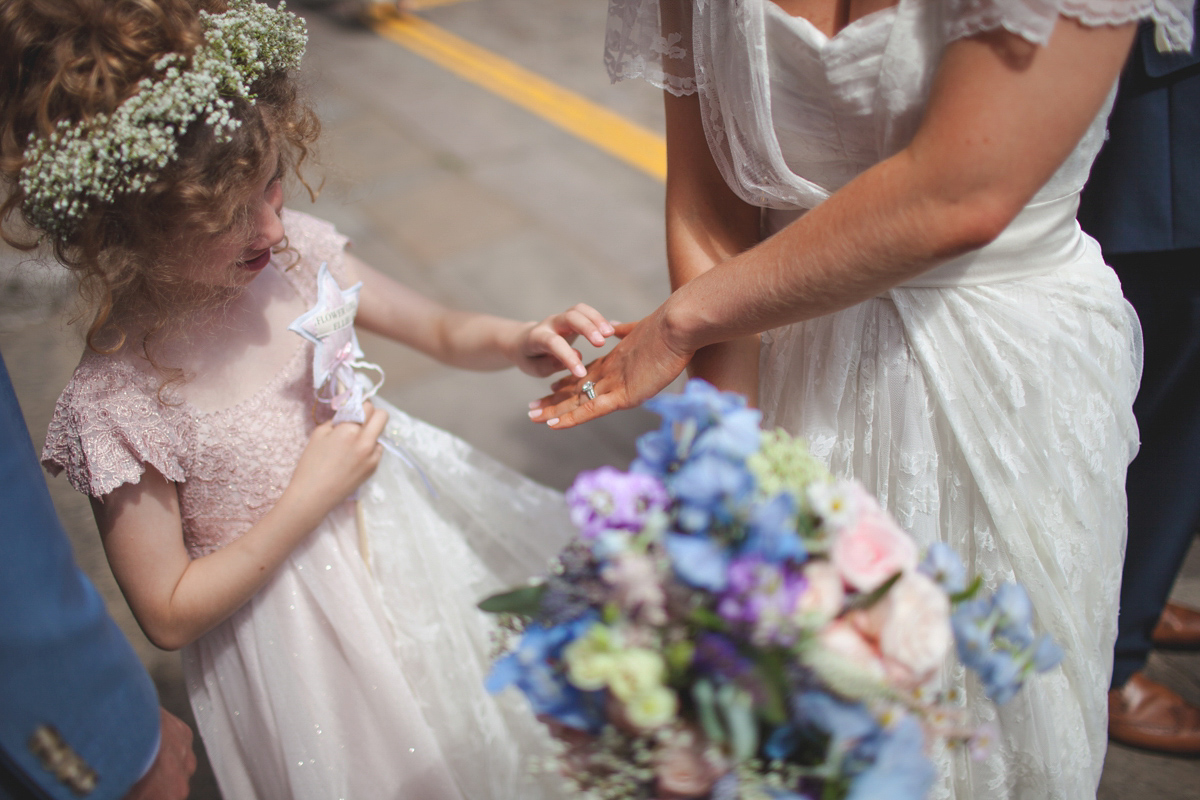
698,561
972,631
945,568
532,668
771,531
1002,674
1014,614
900,770
699,402
709,490
844,722
1046,653
657,452
734,434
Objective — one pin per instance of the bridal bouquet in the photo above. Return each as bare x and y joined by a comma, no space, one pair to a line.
734,623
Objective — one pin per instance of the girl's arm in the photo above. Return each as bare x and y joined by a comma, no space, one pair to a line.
470,340
706,225
176,599
1002,116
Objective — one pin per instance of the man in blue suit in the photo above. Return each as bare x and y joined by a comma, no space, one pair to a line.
79,717
1142,203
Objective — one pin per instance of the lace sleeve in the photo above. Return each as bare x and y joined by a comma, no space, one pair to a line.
107,425
651,39
1033,20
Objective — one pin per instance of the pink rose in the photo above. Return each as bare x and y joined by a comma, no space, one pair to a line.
912,626
872,548
844,640
824,595
683,771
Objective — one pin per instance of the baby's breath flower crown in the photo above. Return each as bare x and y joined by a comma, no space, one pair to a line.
123,152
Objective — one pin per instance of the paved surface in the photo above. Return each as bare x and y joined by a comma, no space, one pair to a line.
483,205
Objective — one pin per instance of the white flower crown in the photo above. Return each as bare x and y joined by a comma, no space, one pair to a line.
119,153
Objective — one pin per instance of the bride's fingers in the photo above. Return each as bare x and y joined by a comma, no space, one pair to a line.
586,412
552,404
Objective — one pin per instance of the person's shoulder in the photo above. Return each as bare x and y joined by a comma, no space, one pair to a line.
110,420
314,242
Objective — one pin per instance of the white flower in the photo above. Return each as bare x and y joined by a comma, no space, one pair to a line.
635,671
652,708
119,153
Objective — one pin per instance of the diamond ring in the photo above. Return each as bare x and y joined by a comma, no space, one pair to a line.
589,389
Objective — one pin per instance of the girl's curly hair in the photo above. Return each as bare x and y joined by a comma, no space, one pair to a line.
73,59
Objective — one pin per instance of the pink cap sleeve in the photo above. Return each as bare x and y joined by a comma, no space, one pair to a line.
317,242
107,425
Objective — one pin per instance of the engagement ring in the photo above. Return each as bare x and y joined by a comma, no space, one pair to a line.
589,389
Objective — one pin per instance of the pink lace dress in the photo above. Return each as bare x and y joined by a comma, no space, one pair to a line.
356,672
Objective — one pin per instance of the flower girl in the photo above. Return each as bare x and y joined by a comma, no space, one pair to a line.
330,643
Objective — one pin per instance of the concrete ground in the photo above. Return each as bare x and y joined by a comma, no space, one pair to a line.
478,203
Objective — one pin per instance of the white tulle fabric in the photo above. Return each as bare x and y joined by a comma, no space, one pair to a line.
987,402
347,675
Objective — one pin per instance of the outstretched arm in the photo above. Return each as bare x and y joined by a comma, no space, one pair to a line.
1002,116
471,340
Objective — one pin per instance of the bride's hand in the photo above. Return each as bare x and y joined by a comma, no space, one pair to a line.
639,367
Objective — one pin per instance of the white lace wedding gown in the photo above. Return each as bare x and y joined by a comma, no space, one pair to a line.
987,403
344,677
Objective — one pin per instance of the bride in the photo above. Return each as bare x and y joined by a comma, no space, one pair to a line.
887,194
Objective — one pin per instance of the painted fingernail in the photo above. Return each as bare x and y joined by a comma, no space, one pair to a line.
579,370
534,413
533,403
552,422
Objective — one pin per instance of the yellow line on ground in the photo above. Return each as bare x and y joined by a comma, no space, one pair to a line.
421,5
595,124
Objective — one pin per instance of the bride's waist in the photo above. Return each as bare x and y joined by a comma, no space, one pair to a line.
1042,238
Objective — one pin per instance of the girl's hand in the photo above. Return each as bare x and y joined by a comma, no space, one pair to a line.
638,368
337,460
544,348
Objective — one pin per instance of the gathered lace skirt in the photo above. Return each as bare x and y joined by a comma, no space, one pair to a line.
361,678
995,418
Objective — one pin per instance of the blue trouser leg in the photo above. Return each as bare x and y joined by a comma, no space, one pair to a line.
1164,480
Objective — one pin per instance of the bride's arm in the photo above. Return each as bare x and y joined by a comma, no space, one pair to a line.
1002,116
706,225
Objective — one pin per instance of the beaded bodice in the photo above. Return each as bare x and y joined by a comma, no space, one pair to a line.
231,464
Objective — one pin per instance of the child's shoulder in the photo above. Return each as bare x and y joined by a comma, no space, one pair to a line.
316,242
109,421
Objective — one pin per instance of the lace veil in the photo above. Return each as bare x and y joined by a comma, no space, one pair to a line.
715,47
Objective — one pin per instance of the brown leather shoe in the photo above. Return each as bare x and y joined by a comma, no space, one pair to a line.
1146,714
1178,628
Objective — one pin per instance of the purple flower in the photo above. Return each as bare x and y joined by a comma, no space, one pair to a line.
763,597
717,655
606,499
